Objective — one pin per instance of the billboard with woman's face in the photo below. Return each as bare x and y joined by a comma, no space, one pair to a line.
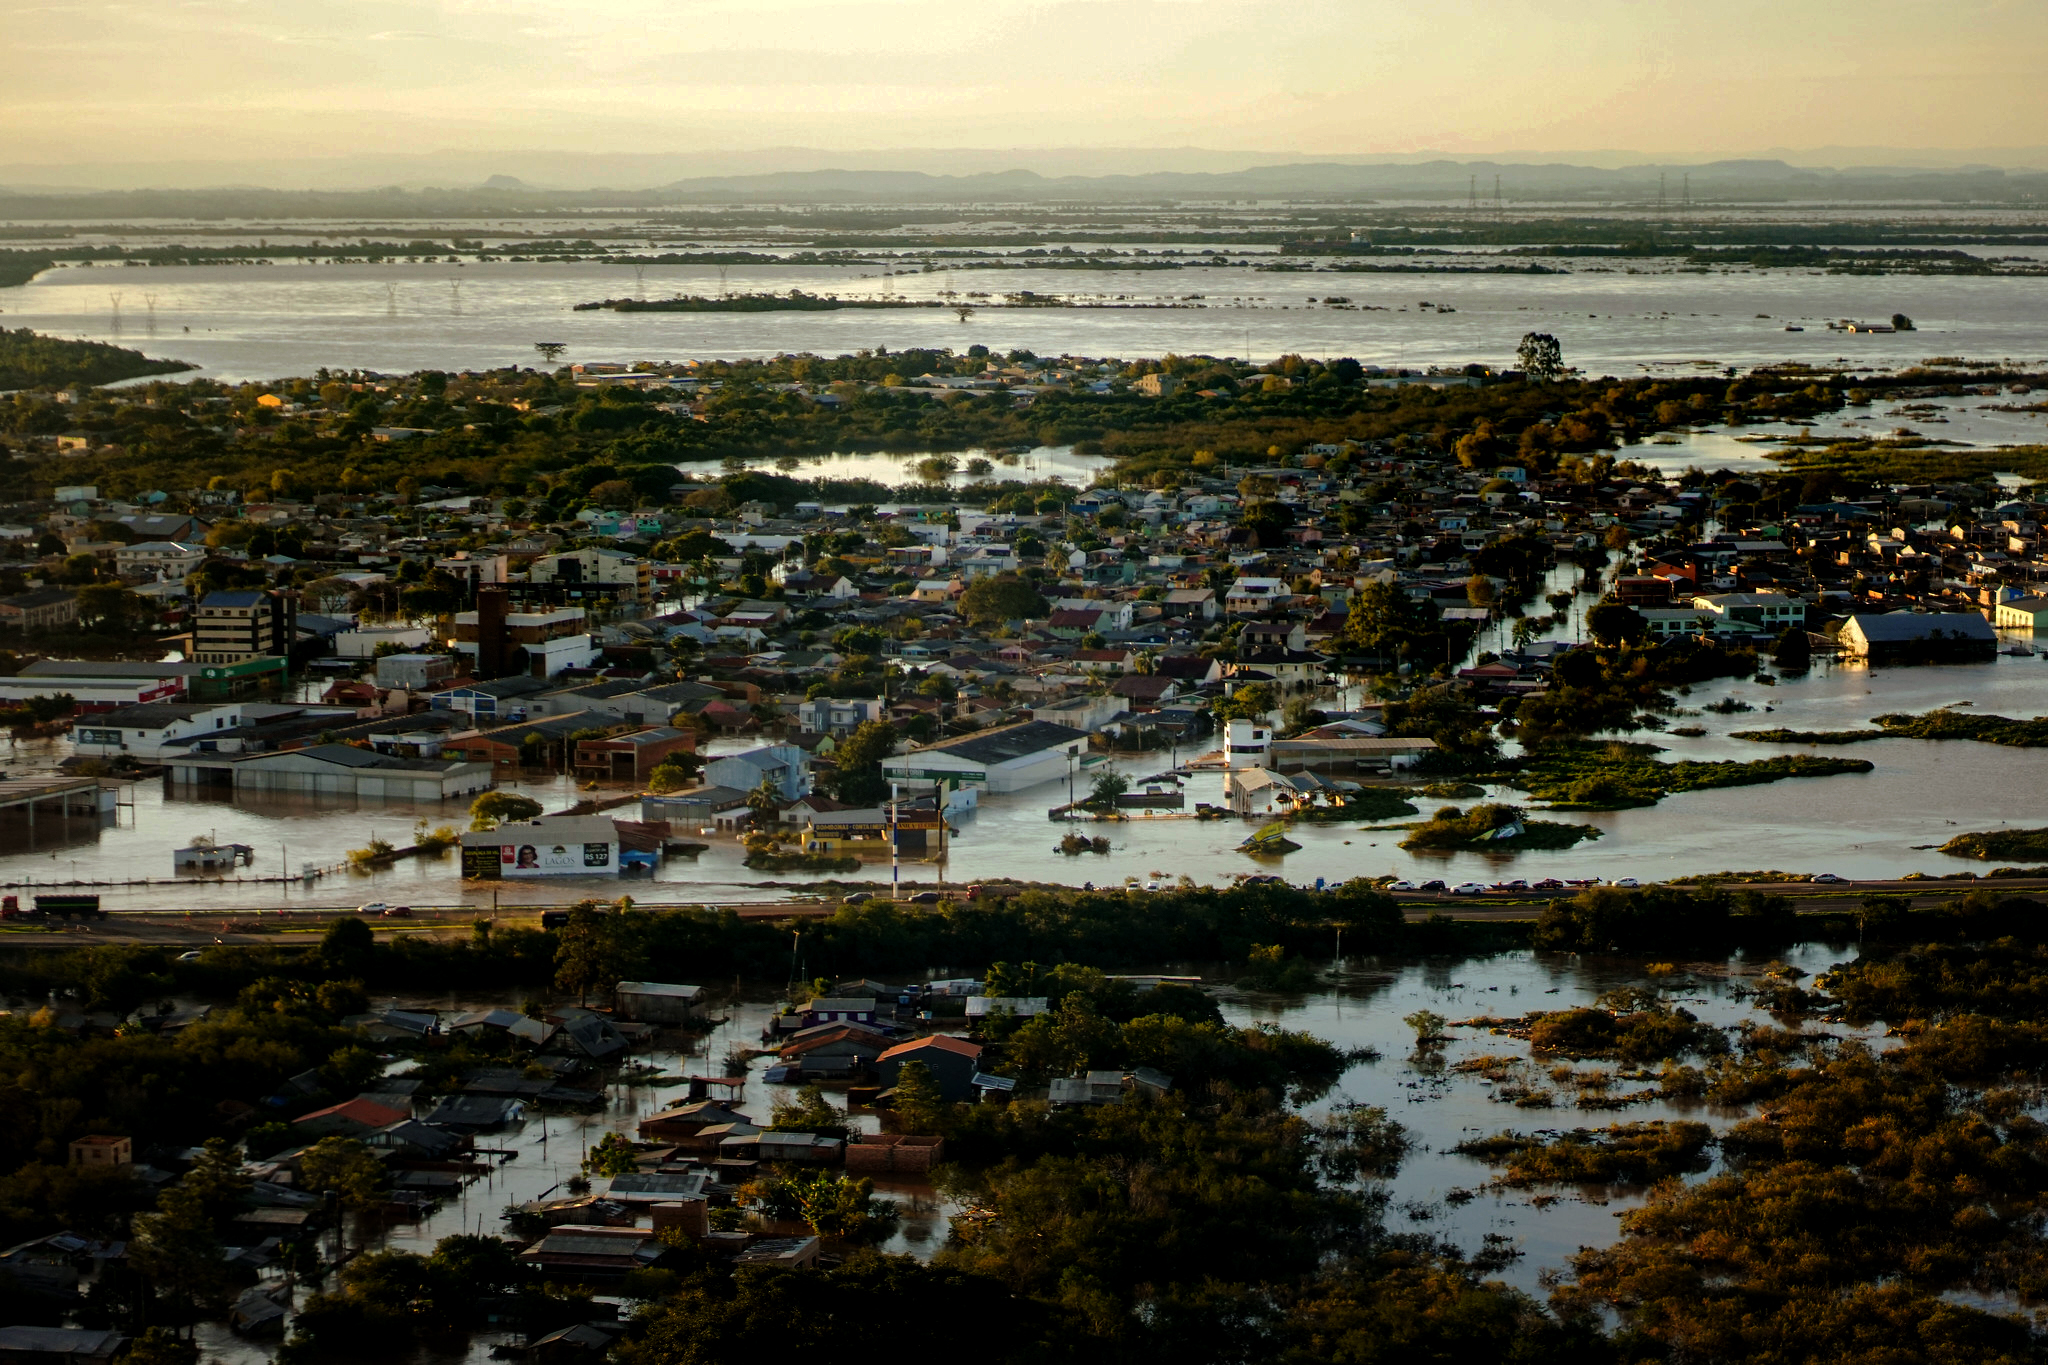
544,859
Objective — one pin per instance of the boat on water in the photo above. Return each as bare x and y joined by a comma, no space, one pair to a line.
1790,328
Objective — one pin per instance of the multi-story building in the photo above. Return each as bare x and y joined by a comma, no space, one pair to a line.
596,575
540,644
236,627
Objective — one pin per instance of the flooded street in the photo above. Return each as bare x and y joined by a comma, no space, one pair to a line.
1438,1191
1876,825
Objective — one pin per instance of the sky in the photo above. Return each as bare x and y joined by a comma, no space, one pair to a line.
220,81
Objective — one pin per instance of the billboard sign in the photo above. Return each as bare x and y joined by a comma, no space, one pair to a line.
544,859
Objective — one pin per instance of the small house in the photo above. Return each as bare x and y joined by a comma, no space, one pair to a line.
657,1002
952,1062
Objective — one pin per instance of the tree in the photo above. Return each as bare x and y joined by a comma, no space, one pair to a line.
858,780
177,1250
586,956
1540,358
1613,623
1005,597
494,808
920,1107
675,773
1793,652
1108,787
765,801
349,1171
110,606
550,351
811,1113
1387,623
1250,702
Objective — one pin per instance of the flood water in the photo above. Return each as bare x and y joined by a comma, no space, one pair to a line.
272,321
1437,1191
1876,825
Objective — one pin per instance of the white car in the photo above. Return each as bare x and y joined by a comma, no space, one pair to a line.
1829,879
1151,886
1625,881
1400,886
373,908
1468,889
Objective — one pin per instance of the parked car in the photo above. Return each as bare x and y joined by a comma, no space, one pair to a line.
192,956
1516,885
1400,886
1626,881
926,898
1830,879
1432,885
1468,889
1546,884
1151,886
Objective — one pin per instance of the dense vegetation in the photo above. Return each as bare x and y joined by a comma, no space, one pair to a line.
29,360
1942,723
1617,775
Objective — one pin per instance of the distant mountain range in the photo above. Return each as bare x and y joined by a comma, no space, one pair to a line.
1440,181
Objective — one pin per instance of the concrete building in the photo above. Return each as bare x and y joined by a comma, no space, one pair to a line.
1911,637
837,717
786,766
631,757
161,729
164,559
414,672
597,575
2022,613
39,609
1009,758
537,644
1750,613
331,770
101,686
236,627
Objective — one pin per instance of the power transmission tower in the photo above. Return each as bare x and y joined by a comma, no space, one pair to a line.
114,296
639,281
391,299
149,303
1472,205
455,297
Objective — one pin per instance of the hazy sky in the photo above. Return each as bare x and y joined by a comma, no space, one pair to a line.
222,79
